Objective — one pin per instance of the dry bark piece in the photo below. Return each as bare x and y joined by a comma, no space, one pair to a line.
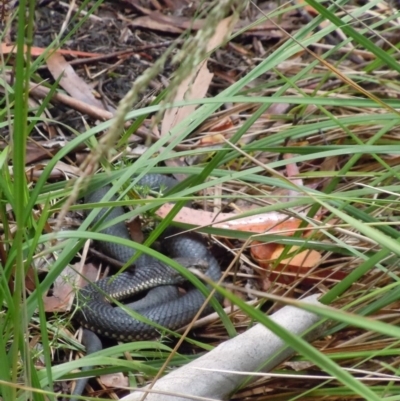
260,223
302,266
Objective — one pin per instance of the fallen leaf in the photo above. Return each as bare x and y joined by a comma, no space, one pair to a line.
71,81
158,25
135,230
60,170
63,288
138,7
42,92
174,24
263,252
311,10
38,51
196,85
167,23
114,380
267,254
214,139
35,151
62,298
301,262
223,127
30,283
222,124
301,266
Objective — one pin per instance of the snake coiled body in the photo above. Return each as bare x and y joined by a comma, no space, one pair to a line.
97,314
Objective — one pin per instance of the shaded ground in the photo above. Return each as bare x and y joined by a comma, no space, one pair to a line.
121,27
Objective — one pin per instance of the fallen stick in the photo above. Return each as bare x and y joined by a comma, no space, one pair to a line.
212,376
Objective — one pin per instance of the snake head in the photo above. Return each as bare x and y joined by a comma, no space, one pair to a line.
193,264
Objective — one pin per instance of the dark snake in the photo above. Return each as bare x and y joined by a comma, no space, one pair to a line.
94,311
163,304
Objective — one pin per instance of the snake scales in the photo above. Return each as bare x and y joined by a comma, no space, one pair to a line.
94,311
